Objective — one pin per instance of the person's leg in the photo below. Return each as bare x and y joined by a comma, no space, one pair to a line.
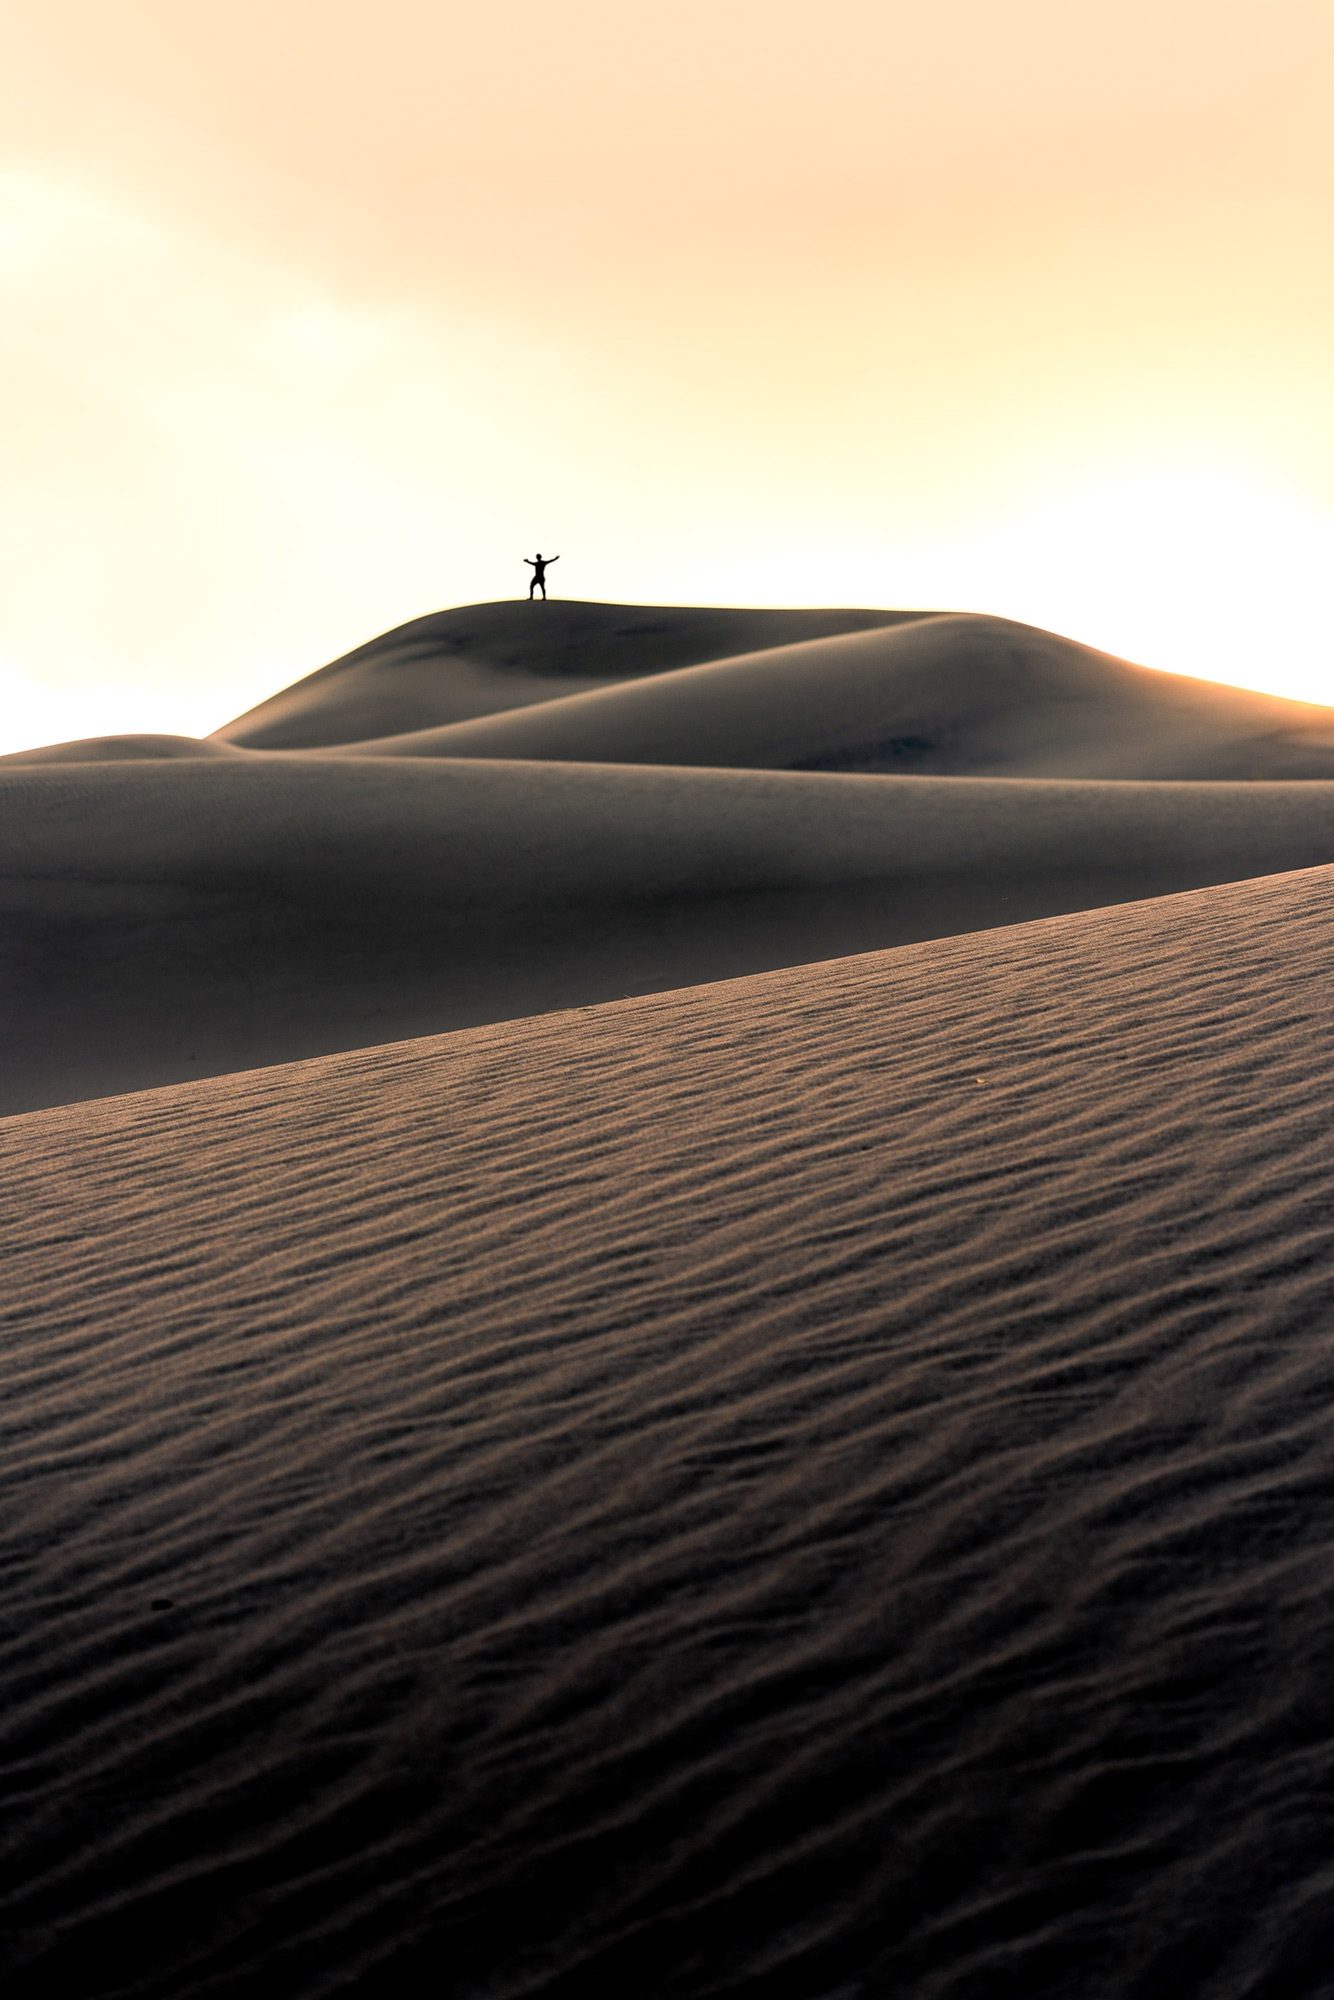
532,586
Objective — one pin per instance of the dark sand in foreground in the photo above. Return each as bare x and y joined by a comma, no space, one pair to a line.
819,1485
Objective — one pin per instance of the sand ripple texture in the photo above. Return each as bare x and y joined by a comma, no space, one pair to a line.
819,1485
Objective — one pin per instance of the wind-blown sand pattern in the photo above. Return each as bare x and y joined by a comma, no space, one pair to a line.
508,809
816,1485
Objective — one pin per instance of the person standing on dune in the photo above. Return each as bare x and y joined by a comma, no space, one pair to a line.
538,565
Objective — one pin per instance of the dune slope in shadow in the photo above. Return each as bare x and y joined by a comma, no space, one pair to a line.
960,695
170,919
480,658
817,1485
119,750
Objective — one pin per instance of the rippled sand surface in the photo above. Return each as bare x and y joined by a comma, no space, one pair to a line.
817,1485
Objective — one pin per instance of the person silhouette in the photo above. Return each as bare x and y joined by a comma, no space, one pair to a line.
538,565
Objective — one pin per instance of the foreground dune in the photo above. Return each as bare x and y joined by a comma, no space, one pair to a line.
167,919
816,1486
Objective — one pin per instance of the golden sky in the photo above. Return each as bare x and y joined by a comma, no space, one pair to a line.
317,315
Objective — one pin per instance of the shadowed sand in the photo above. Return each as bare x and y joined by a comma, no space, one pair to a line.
482,658
119,750
814,1486
176,918
958,695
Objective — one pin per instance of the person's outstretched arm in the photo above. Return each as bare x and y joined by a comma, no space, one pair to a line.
553,558
531,564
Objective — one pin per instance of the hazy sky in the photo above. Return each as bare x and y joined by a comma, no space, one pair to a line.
316,315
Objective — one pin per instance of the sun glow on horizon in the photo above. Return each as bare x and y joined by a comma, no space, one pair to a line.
1213,573
282,370
304,474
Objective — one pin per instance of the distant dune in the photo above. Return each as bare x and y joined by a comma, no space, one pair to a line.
554,805
119,750
483,658
814,1486
957,695
950,695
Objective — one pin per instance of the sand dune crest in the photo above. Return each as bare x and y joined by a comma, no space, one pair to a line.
119,750
482,658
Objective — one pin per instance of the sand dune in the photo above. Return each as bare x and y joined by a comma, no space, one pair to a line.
482,658
958,695
170,919
814,1486
635,798
120,750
